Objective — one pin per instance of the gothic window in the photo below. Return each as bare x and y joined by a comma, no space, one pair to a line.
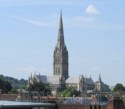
58,59
55,59
58,70
55,70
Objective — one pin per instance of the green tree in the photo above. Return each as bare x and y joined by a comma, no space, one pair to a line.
5,86
15,83
47,88
118,87
69,92
39,86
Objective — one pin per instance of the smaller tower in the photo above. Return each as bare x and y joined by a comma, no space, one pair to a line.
85,84
100,82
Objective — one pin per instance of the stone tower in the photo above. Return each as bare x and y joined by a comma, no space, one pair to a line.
60,64
99,84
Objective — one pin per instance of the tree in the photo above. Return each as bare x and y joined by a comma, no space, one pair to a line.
69,92
118,87
39,86
5,86
47,89
15,83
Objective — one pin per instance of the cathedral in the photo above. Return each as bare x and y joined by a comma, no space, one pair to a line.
60,78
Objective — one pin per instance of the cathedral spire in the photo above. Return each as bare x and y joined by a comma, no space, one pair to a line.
60,63
100,80
60,42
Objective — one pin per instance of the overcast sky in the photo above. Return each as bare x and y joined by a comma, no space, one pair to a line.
94,34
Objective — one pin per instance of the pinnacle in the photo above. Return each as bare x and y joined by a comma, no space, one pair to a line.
60,33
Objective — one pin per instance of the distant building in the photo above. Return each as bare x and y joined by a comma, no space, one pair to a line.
60,78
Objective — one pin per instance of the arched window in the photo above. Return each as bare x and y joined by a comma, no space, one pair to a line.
58,59
55,59
58,70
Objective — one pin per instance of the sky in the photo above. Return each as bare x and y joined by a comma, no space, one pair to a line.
94,32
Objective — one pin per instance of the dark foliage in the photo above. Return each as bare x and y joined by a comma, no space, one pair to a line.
118,87
39,86
5,86
15,83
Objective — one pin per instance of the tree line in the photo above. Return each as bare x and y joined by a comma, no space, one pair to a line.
9,84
